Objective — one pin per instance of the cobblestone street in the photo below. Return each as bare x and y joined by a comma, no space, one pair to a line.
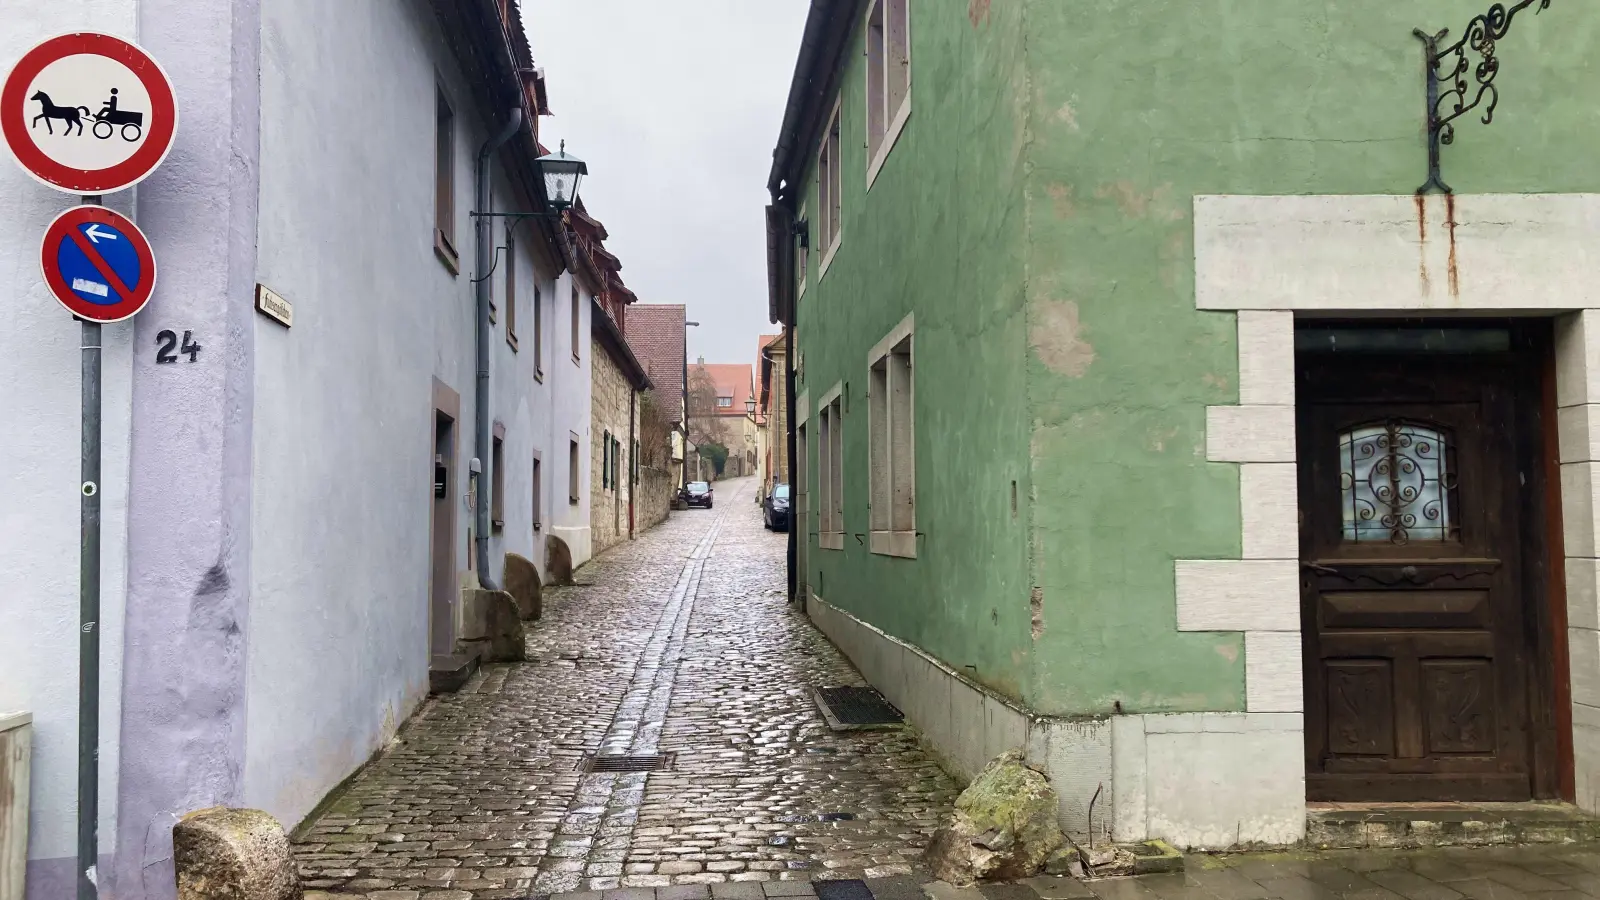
680,642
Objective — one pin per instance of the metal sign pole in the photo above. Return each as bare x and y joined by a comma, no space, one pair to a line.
89,617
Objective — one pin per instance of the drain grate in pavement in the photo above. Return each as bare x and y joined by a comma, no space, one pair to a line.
660,762
856,708
843,889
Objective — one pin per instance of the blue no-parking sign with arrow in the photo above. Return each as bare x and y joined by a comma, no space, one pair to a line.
98,264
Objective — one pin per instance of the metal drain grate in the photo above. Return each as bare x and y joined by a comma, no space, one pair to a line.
856,708
660,762
843,889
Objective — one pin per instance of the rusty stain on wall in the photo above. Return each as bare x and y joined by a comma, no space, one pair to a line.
1058,339
1036,608
1229,652
1450,225
978,11
1422,246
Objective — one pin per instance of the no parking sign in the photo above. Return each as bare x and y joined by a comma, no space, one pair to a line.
98,264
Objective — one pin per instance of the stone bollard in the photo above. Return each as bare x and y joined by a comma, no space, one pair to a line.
557,561
491,622
233,854
522,583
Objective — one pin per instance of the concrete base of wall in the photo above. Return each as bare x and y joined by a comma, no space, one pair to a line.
1196,780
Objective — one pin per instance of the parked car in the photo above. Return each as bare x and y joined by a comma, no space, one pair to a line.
775,509
698,493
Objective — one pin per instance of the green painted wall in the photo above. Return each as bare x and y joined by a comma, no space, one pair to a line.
1061,149
941,232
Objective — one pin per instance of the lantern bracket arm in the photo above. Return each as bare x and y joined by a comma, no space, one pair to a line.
1456,86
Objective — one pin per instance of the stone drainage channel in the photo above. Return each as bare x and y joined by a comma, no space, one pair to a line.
592,842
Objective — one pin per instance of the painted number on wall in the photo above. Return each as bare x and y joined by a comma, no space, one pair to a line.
167,342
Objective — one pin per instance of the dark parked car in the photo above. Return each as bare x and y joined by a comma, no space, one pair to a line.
775,509
698,493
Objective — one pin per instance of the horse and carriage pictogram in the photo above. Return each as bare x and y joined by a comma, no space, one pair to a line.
106,121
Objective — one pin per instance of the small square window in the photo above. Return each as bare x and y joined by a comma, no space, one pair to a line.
444,186
497,481
577,322
830,188
538,491
891,440
573,487
830,465
538,332
888,36
511,289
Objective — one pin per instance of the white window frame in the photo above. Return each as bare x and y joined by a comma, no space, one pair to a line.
878,82
830,469
830,187
892,444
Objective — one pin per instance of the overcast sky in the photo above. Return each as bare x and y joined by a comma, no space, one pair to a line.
676,108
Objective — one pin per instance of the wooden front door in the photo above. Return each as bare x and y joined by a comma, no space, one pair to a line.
1417,615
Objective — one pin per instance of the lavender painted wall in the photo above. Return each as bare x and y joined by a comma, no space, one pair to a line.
570,382
276,573
338,652
189,502
39,412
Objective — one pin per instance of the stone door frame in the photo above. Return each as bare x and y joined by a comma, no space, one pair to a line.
1271,258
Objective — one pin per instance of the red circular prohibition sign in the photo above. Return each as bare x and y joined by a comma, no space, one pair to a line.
65,227
129,172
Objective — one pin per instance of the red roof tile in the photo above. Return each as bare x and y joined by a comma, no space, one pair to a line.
732,380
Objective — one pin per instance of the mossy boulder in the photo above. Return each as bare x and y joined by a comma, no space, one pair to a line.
233,854
1005,827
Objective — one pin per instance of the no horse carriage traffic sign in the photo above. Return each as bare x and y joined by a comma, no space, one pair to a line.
88,113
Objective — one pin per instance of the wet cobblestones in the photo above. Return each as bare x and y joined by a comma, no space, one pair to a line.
678,642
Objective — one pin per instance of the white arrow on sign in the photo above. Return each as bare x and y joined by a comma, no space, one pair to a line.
94,234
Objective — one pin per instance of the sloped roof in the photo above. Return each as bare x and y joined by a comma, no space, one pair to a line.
656,333
764,372
734,380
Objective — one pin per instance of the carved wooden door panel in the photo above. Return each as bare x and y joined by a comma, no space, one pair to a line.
1416,647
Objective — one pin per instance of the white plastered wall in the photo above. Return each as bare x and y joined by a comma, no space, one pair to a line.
1271,258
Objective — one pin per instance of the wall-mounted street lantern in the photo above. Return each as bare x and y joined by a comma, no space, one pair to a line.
1451,94
750,407
563,173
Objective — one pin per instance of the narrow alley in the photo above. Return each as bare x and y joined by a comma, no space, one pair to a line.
679,643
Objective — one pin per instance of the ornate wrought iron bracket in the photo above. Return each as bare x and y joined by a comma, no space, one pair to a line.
1451,94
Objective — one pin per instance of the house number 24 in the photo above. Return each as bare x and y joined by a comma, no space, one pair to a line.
167,342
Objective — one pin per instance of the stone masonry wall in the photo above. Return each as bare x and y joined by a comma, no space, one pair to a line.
654,494
608,505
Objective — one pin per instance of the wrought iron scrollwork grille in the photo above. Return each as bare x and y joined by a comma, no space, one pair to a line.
1451,93
1397,483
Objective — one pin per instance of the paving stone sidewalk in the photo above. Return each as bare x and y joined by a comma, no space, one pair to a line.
1547,872
680,642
